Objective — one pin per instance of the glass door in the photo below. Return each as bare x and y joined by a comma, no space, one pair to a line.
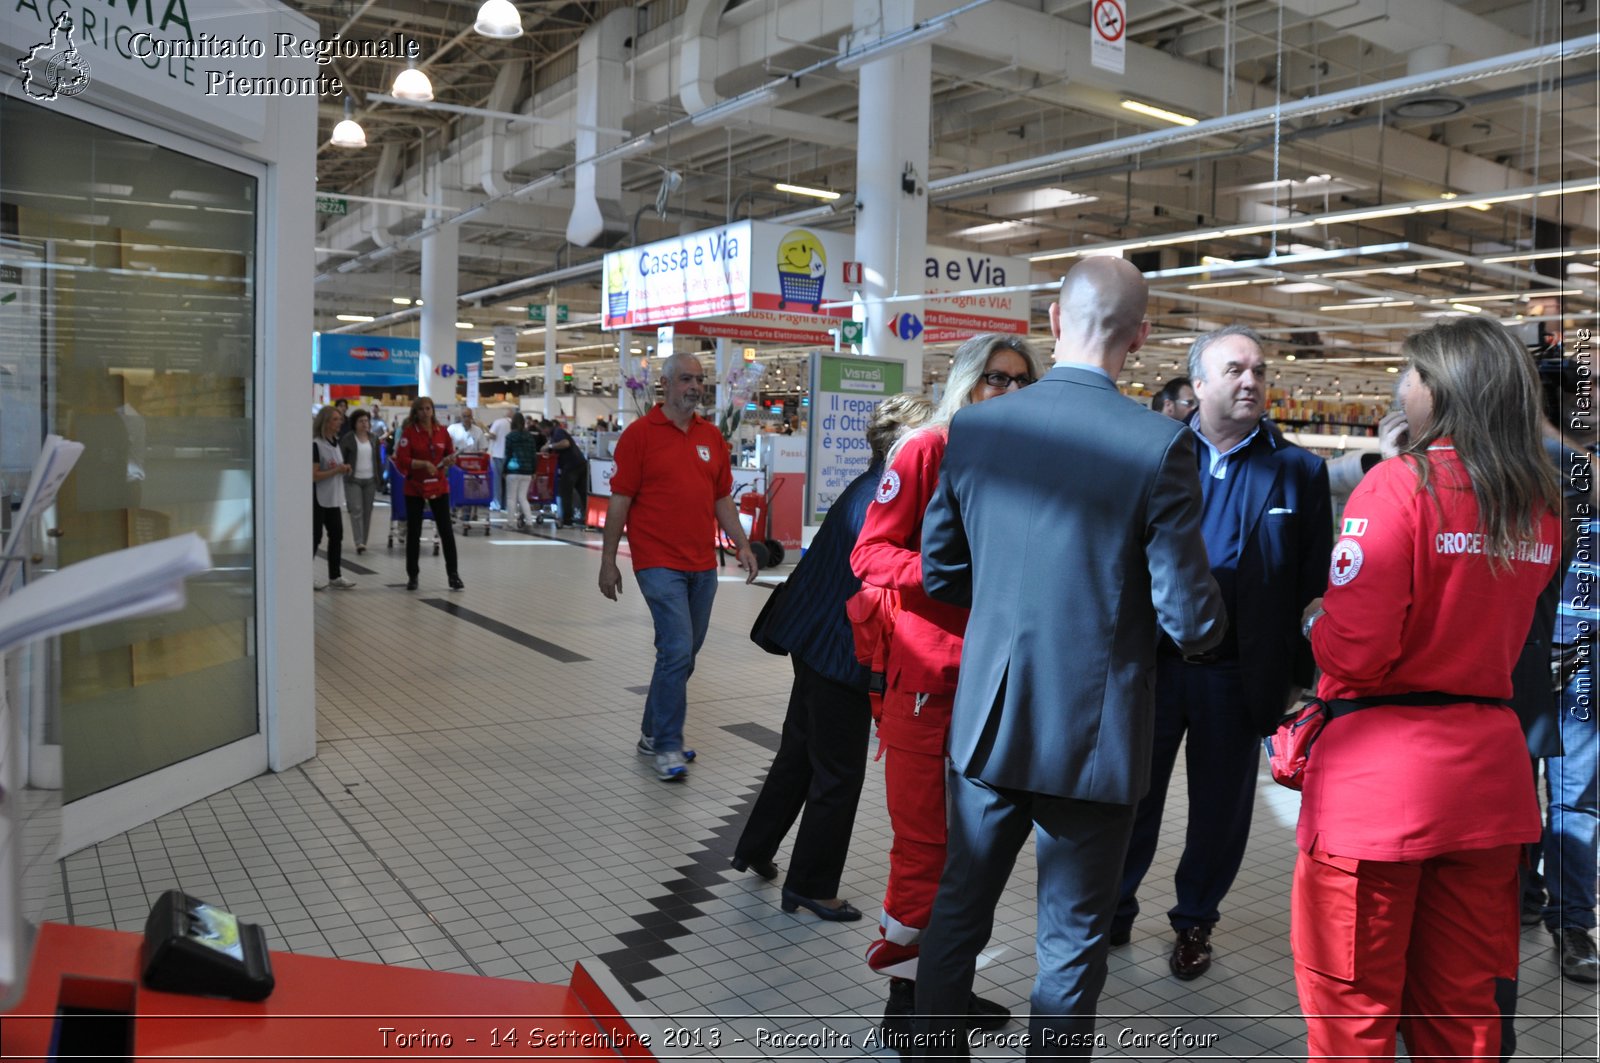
142,263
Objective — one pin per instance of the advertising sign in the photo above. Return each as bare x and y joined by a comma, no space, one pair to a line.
949,320
692,276
845,390
505,350
789,273
342,358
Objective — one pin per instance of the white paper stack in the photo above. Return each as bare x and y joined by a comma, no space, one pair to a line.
126,583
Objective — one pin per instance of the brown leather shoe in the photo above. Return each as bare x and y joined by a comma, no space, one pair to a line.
1191,953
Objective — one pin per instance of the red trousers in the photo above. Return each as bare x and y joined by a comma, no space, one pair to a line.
1413,947
912,735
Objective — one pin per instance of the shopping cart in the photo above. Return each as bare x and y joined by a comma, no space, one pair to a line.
542,487
799,288
471,489
397,507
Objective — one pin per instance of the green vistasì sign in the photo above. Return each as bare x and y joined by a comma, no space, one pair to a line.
536,312
845,390
333,205
862,376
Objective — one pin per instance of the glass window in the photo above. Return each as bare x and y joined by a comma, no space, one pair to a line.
128,272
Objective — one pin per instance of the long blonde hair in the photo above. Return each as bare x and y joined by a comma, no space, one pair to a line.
966,369
1486,399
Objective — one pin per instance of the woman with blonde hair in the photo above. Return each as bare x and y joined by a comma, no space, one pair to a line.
328,471
921,679
1419,794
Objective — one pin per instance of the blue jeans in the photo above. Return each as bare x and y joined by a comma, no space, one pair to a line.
1569,834
680,605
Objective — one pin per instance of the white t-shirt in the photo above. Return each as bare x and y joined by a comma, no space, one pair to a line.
363,470
467,440
498,431
329,492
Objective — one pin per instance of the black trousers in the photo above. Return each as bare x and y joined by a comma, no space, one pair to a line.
441,520
328,517
820,766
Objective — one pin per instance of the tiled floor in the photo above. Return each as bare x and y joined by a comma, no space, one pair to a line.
476,805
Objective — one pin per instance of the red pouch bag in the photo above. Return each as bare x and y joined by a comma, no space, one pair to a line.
1289,747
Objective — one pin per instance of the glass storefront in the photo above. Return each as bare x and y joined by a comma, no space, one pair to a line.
128,322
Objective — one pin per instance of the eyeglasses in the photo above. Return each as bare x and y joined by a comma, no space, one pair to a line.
1003,381
1187,404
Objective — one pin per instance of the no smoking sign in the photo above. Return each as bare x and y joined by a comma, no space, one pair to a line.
1108,39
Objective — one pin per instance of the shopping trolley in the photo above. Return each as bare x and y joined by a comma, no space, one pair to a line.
398,503
471,489
799,288
542,486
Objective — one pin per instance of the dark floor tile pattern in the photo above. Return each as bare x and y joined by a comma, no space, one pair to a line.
521,638
632,963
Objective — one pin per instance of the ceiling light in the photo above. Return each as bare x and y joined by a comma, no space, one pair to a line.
727,108
1151,111
522,365
1433,105
356,318
412,84
894,42
348,133
802,190
400,300
1468,307
1301,286
498,19
1369,305
465,324
1447,195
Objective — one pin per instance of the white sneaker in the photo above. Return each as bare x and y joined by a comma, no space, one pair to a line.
344,583
647,748
318,586
670,767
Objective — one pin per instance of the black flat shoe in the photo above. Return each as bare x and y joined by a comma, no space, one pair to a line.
765,868
411,584
456,584
845,913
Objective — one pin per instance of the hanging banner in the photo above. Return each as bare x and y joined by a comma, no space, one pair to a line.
505,350
955,319
845,391
1108,37
342,358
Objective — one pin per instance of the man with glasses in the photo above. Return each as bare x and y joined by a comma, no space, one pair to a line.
1176,399
671,490
1268,527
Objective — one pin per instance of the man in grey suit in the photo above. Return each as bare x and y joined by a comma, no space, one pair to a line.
1068,518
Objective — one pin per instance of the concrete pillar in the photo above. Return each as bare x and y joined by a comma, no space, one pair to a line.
438,316
552,371
891,183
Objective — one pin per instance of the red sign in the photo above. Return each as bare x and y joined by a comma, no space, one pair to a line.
853,273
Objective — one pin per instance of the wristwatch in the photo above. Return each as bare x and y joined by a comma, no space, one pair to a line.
1305,628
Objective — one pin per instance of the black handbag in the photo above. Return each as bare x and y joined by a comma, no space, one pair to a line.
758,630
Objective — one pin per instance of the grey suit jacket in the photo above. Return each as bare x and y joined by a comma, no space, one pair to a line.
1068,518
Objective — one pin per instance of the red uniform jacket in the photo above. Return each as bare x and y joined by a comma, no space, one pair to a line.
416,443
1412,605
925,656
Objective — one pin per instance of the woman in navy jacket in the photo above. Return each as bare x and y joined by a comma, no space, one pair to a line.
822,759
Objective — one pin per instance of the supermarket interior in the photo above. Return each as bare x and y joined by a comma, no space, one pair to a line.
221,221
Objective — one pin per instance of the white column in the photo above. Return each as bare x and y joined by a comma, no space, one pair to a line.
892,157
551,369
438,315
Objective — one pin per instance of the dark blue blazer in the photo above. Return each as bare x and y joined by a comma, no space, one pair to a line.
1283,565
809,621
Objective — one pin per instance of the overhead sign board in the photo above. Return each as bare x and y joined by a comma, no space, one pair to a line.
536,313
845,390
758,282
341,358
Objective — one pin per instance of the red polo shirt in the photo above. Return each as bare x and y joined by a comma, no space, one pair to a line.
674,478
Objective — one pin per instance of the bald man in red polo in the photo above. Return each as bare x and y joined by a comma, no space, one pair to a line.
671,489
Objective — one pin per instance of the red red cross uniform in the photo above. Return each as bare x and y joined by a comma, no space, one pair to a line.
923,661
1404,908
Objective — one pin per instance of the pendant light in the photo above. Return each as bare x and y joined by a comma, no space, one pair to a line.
412,84
348,133
498,19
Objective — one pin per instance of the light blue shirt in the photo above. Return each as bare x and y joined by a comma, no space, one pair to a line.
1216,460
1086,366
